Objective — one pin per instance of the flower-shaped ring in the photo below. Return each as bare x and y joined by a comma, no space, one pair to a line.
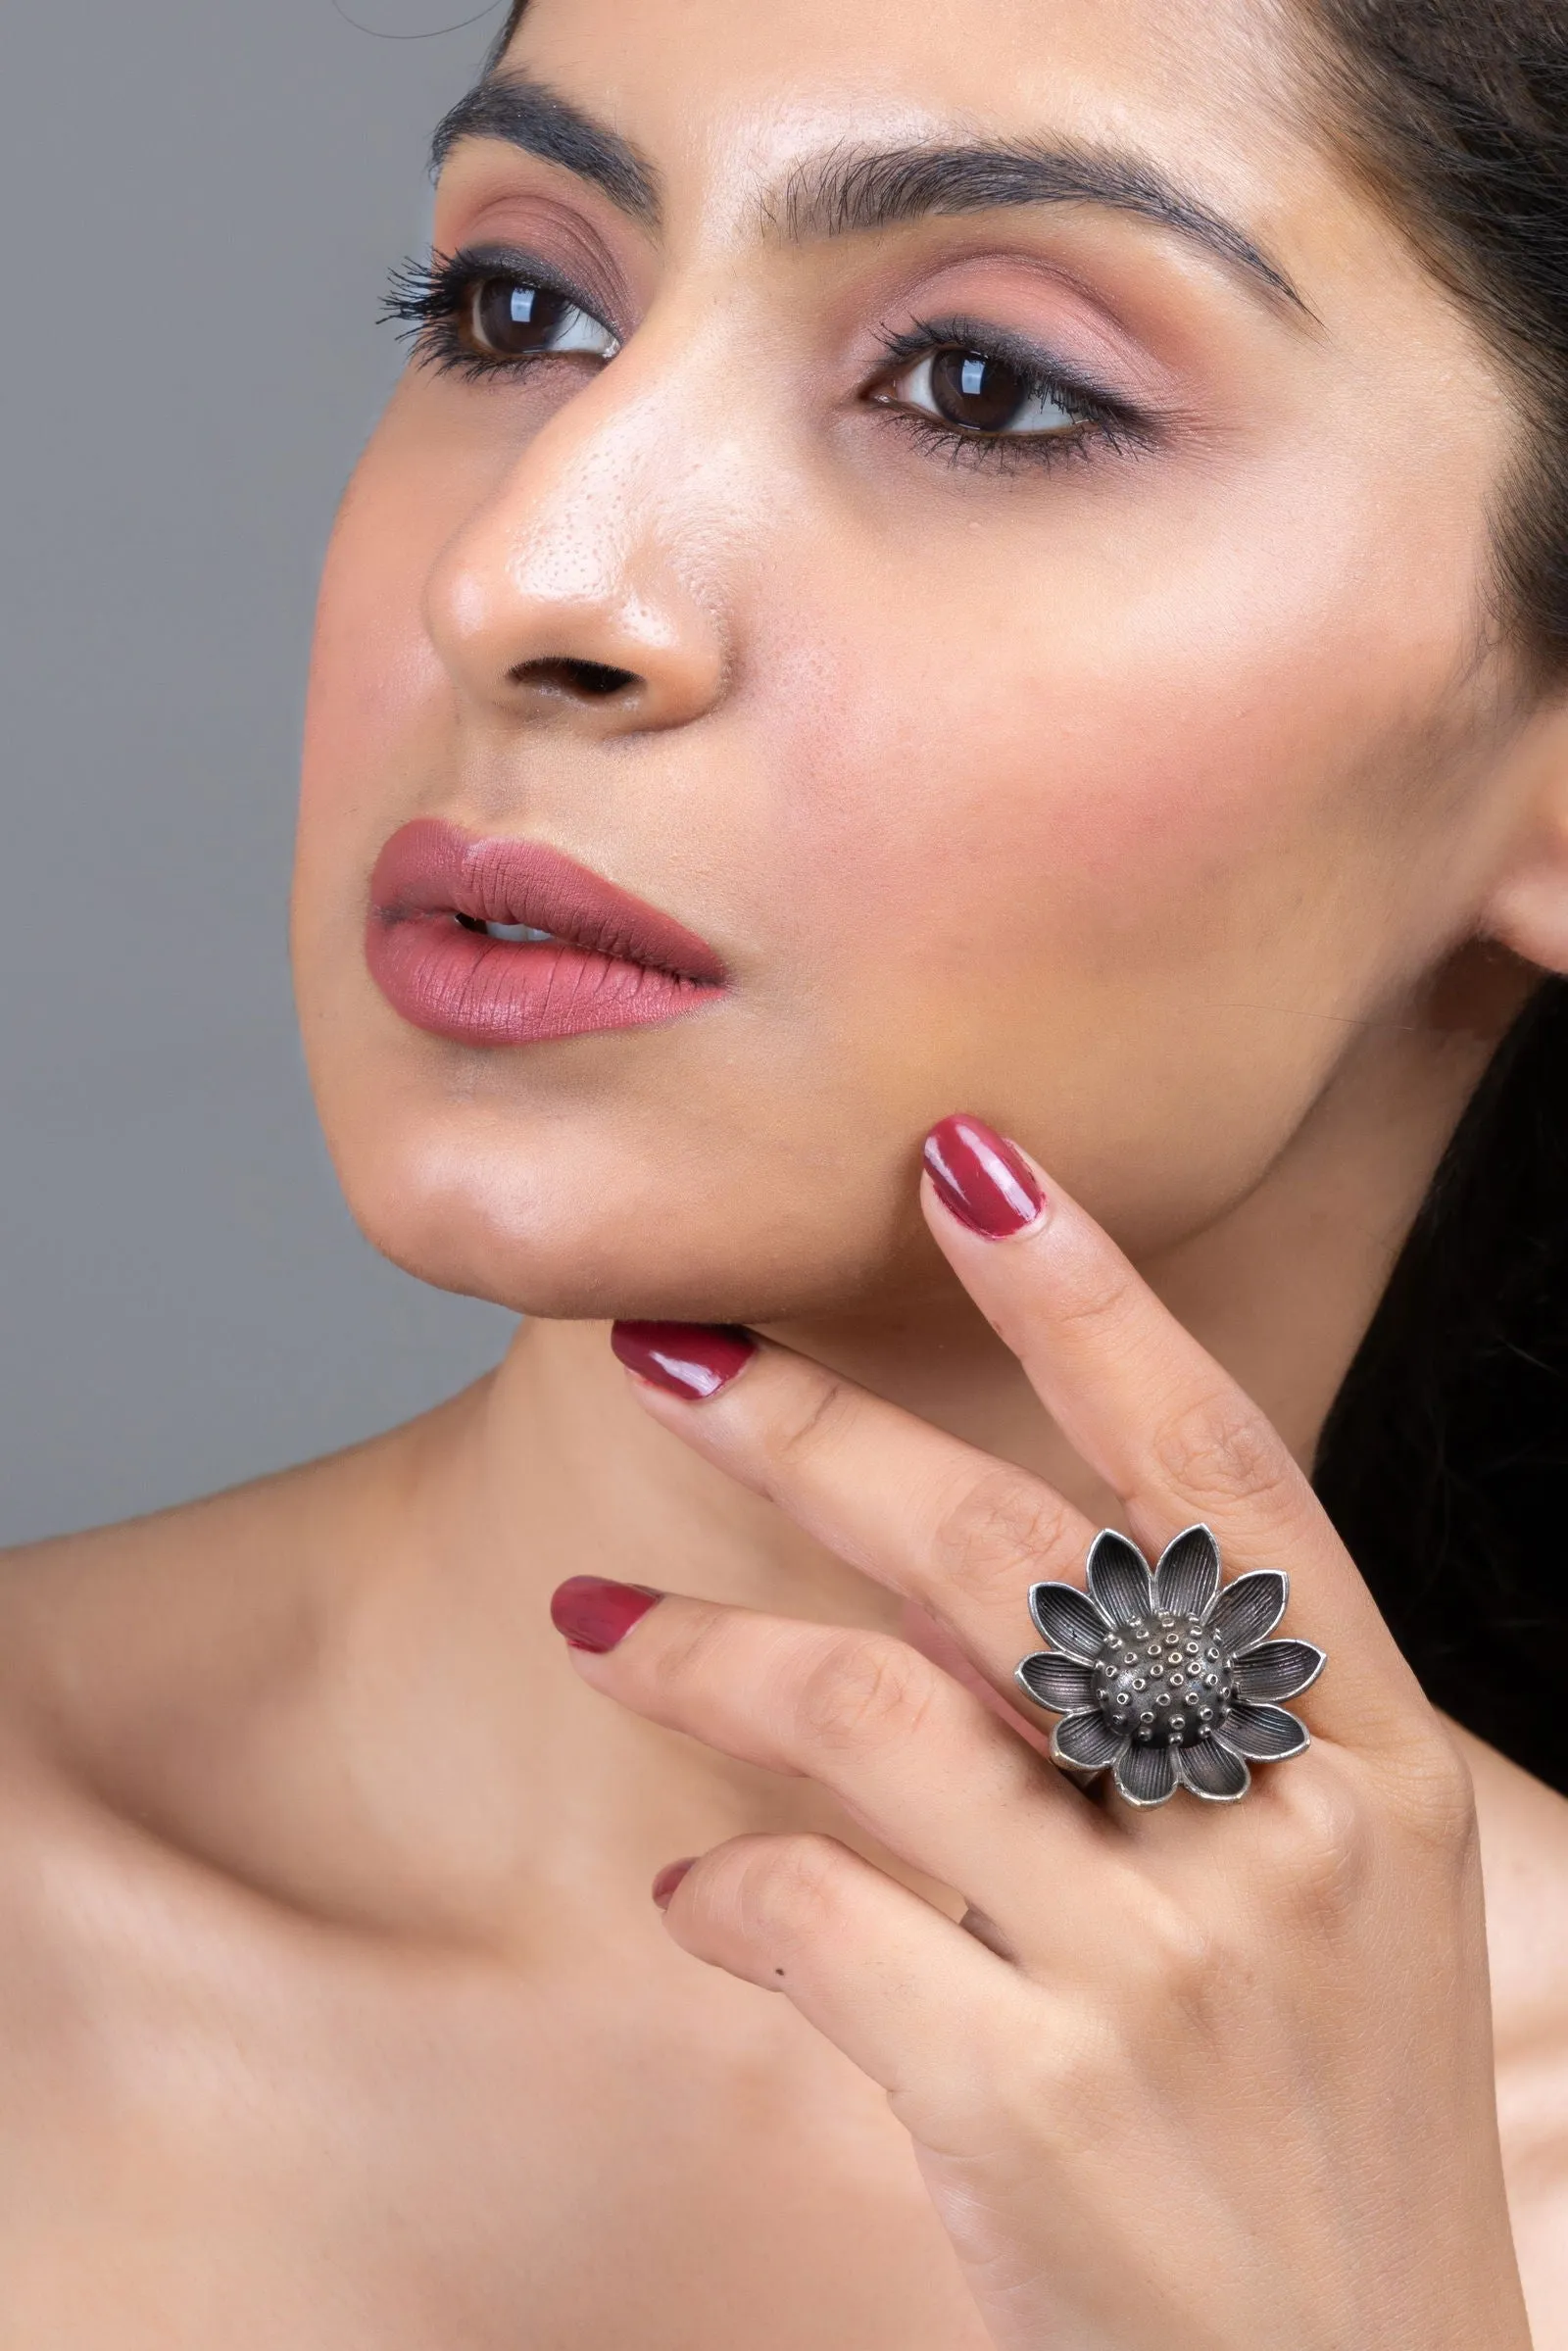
1162,1677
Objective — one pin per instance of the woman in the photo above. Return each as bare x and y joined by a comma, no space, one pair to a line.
987,579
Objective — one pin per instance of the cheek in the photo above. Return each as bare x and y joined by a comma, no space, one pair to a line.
1129,874
1151,781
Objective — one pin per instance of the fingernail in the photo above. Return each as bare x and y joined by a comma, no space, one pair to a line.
595,1614
667,1880
691,1359
982,1178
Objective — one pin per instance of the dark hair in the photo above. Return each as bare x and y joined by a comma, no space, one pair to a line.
1444,1459
1455,113
503,40
1444,1463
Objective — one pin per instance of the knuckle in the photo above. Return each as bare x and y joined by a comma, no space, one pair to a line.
1069,2075
814,1423
1430,1799
1179,1948
865,1692
1323,1851
1222,1452
689,1652
1171,1958
1335,1830
1094,1293
778,1892
1001,1524
1169,1965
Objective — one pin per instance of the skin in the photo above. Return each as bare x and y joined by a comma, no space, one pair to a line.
1182,811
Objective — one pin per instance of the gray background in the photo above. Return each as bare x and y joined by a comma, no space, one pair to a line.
201,199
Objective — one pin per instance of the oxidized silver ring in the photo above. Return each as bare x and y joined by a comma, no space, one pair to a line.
1165,1678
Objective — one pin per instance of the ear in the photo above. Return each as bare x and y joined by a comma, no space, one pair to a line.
1527,909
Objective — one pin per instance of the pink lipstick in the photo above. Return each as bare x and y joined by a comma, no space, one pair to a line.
511,943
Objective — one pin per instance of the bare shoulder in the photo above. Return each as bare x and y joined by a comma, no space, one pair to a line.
189,2053
167,1693
193,1605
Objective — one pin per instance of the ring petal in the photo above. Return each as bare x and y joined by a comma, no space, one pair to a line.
1247,1610
1212,1770
1057,1681
1118,1578
1267,1732
1188,1575
1068,1617
1147,1775
1088,1741
1279,1669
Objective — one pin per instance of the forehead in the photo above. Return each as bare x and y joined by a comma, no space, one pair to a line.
1203,86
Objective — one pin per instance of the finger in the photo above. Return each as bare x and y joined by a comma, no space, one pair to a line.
1148,1408
939,1522
922,1764
910,1998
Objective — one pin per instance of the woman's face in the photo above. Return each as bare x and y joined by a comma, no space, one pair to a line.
967,514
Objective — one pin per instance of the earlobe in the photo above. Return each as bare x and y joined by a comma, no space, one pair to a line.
1527,911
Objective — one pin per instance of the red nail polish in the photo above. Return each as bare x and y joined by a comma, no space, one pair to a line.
982,1178
691,1359
595,1613
668,1878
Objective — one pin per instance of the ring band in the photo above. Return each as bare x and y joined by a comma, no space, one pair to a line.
1163,1678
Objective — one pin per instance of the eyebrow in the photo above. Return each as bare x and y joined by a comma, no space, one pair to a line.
855,191
529,115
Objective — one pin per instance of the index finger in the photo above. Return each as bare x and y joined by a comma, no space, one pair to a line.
1152,1412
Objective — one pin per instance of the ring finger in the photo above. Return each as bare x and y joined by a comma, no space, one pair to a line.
919,1761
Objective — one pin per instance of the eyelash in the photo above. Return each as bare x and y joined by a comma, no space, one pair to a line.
1106,422
426,298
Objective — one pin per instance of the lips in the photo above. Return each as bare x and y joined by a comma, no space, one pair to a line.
584,955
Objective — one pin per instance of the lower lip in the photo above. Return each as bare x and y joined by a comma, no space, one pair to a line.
475,989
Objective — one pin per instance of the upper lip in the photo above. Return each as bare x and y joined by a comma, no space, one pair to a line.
431,867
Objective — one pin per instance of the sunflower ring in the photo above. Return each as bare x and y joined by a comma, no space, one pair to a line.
1165,1677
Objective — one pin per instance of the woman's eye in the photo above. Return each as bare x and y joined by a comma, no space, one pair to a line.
982,394
504,317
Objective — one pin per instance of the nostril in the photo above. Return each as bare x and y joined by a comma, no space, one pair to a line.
591,682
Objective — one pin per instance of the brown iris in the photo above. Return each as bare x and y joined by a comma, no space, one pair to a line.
512,319
975,389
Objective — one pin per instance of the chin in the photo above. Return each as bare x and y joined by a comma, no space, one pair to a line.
569,1219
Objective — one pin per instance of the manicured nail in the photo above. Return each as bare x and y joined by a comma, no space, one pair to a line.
691,1359
667,1880
982,1178
595,1613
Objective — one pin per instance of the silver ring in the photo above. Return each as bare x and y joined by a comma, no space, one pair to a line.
1162,1677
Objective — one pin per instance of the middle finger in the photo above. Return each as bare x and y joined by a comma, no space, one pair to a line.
932,1518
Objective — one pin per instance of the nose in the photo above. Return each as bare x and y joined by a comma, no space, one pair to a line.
567,597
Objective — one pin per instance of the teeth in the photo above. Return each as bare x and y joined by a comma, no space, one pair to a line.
519,934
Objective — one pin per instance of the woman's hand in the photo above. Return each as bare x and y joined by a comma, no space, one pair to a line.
1202,2078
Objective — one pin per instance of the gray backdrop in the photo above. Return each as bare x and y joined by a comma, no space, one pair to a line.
201,197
